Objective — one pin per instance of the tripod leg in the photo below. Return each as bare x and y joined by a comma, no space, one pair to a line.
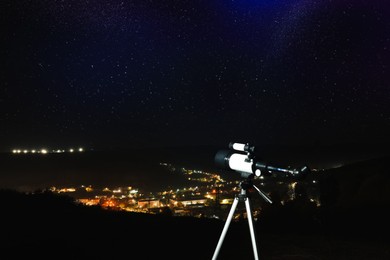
251,228
225,228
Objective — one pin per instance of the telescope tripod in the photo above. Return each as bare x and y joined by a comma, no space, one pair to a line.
244,186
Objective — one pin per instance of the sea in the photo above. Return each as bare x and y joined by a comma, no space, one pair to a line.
149,170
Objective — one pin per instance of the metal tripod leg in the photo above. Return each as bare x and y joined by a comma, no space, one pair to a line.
229,219
251,228
225,228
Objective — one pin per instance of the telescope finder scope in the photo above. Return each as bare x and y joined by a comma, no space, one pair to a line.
242,147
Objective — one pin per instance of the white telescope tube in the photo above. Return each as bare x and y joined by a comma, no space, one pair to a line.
238,162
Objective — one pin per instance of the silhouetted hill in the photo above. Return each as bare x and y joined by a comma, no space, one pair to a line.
49,225
354,202
361,183
46,225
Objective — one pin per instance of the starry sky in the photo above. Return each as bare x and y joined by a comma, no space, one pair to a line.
112,74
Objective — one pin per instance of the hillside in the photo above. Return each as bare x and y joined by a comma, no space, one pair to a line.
352,223
358,184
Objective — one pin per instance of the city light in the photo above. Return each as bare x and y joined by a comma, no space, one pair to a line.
45,150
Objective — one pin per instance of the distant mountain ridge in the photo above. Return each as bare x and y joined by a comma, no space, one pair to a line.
360,183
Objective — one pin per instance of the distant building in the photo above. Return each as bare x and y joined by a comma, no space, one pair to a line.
150,203
90,202
188,202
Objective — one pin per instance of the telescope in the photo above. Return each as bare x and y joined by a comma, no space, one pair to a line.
241,158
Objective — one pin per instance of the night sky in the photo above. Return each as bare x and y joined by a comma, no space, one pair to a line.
115,74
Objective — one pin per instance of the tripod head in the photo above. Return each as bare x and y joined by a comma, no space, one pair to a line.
247,184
